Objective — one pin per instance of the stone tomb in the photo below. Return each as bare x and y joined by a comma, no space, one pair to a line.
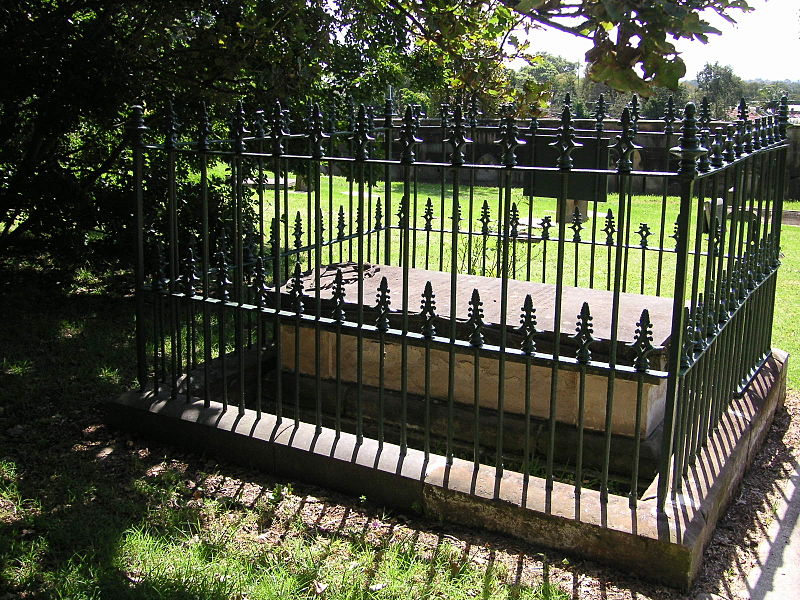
543,295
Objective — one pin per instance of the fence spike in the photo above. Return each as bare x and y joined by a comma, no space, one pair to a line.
338,294
634,114
783,117
704,114
458,139
277,129
716,149
513,221
388,113
624,145
383,299
191,280
528,326
260,284
643,342
238,130
689,147
600,113
729,154
756,133
297,230
547,223
378,214
485,218
703,163
565,143
669,116
427,215
296,291
687,351
643,233
583,335
610,228
748,137
136,126
475,321
316,135
576,224
223,281
428,306
361,137
340,224
408,137
473,112
509,136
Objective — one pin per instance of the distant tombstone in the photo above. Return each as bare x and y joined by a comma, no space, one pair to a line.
582,187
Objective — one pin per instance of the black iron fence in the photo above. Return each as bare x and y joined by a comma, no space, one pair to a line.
557,310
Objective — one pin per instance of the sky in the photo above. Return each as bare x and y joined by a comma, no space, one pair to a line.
764,44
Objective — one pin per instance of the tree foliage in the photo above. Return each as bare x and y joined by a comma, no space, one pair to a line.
721,86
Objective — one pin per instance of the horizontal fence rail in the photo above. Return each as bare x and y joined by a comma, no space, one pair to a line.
578,305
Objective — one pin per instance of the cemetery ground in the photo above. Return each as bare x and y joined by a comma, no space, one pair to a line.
91,512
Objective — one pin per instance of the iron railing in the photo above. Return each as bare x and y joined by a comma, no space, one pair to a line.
538,312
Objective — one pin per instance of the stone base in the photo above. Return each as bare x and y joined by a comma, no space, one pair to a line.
660,545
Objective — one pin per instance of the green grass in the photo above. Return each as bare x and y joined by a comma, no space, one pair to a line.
88,513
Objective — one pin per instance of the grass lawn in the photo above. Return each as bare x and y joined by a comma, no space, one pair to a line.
86,512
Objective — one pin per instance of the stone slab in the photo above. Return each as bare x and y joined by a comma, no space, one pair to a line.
664,546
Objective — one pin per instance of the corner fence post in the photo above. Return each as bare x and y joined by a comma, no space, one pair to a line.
688,151
136,129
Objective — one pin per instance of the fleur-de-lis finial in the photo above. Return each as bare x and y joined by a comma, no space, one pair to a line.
297,230
260,284
428,306
547,223
624,146
583,335
473,112
669,116
190,277
316,136
458,139
634,105
485,218
382,297
223,281
475,321
277,129
643,342
509,137
644,233
576,224
528,326
340,223
565,143
600,113
338,294
610,228
296,291
408,137
238,130
513,221
427,215
361,137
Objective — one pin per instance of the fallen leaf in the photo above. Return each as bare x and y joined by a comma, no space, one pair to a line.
320,587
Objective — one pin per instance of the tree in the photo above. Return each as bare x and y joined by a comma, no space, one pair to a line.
721,86
71,68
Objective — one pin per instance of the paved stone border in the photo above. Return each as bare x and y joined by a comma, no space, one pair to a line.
666,547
